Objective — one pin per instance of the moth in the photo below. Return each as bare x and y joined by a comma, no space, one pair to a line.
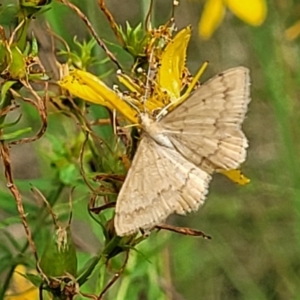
179,152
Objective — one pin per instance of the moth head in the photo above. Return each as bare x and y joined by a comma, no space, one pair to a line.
146,120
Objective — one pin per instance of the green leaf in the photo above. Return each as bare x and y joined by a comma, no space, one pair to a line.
135,39
7,204
6,125
38,76
34,47
58,145
34,279
68,174
8,13
14,135
4,89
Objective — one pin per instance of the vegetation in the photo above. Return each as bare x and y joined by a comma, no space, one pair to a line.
65,153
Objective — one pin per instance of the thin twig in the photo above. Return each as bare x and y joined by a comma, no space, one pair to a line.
37,194
70,207
4,153
81,167
40,106
115,278
13,34
93,32
9,108
103,207
183,230
111,20
93,297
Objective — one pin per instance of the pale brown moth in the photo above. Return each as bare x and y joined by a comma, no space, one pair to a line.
178,153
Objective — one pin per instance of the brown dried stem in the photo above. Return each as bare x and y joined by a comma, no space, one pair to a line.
38,195
115,278
111,20
5,156
4,111
183,230
40,106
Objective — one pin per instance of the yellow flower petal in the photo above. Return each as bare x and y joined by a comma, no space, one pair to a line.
211,18
29,294
76,87
20,287
253,12
236,176
293,32
190,87
129,83
172,63
89,87
75,84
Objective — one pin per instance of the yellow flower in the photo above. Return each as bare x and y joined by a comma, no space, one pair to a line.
236,176
293,32
20,287
161,92
89,87
252,12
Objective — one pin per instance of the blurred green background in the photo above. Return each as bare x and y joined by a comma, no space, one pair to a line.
255,248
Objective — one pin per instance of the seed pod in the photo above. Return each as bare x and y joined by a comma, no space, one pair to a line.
59,257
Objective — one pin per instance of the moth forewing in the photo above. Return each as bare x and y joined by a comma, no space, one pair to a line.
206,128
